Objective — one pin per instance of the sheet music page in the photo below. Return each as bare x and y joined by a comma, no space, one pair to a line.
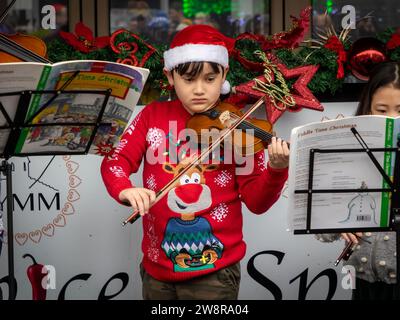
68,109
341,171
13,79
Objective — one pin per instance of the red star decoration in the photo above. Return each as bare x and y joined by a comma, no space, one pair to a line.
300,93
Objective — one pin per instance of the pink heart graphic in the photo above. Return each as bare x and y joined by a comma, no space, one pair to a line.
72,167
68,209
59,221
48,230
73,195
21,238
74,181
35,236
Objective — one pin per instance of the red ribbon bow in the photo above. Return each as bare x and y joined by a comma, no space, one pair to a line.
334,44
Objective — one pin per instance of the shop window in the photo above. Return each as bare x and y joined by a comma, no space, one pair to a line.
366,18
41,18
158,21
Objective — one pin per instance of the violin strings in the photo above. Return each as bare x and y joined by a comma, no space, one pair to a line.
264,134
13,45
259,133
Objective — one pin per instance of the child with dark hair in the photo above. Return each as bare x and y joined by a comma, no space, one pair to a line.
192,238
375,260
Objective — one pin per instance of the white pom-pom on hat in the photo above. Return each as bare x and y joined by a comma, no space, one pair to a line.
226,87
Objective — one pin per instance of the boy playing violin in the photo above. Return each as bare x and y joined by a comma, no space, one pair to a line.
192,238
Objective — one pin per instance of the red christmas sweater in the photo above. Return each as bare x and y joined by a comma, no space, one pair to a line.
197,227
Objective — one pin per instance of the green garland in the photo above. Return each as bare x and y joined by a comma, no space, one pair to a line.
393,55
324,81
58,51
237,73
325,78
154,63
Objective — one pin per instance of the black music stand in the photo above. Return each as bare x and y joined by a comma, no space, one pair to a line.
22,125
393,187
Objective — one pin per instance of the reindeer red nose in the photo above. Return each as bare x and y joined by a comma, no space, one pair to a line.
189,193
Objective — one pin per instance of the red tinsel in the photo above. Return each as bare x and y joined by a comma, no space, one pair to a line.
131,47
393,42
165,86
235,53
334,44
292,38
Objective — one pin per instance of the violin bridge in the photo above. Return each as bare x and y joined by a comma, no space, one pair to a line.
225,118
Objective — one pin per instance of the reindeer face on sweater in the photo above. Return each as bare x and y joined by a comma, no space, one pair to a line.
191,195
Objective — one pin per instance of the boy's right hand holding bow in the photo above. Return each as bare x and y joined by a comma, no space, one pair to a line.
141,199
352,237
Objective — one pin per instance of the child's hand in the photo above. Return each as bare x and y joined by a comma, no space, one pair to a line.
351,237
139,198
278,153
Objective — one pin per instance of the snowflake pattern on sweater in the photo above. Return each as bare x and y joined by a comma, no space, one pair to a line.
261,161
220,213
196,228
151,183
223,179
154,138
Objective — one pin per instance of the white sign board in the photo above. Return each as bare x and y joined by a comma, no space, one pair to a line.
64,218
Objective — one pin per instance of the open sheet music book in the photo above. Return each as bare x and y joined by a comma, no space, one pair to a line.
342,171
125,82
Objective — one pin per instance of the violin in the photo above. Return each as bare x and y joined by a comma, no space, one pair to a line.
19,47
203,155
221,116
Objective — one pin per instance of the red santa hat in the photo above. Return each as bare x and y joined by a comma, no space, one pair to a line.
197,43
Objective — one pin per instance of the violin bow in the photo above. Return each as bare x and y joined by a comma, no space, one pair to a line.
135,215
